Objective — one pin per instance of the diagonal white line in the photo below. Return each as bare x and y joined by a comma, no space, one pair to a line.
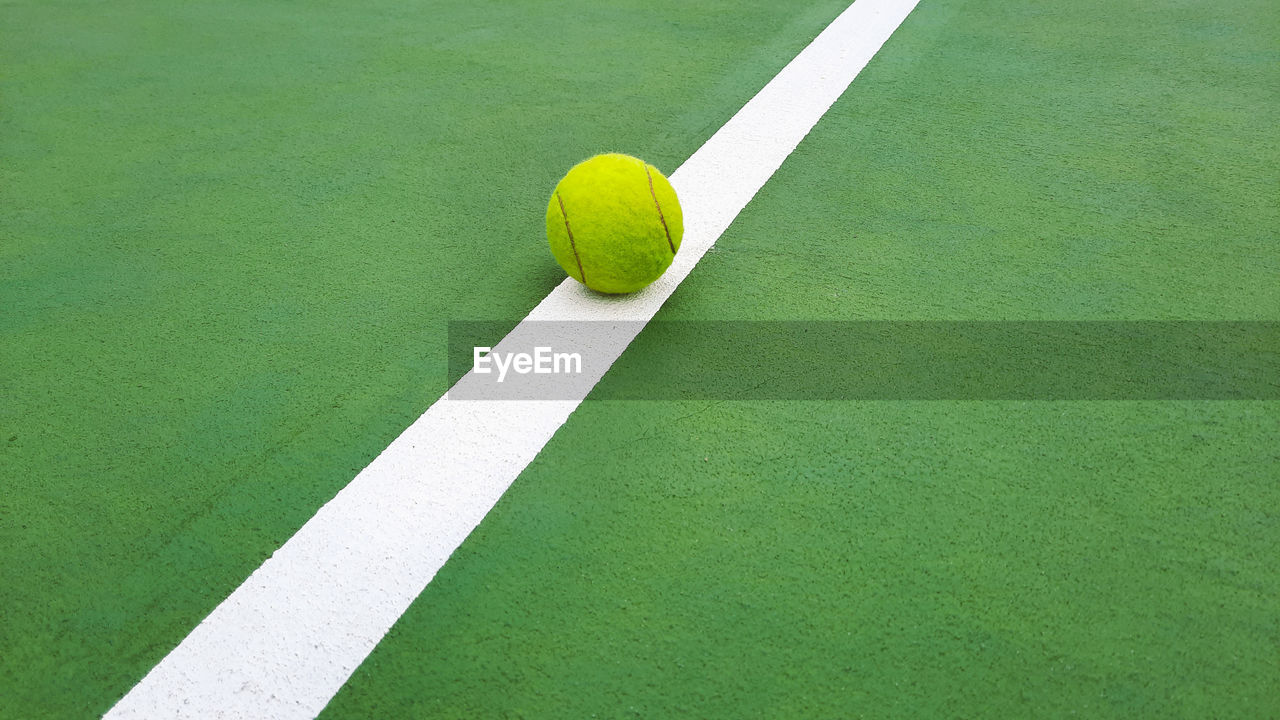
287,639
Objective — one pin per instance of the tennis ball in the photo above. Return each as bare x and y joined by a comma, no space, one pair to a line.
614,223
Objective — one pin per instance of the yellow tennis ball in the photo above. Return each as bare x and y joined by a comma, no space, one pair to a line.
614,223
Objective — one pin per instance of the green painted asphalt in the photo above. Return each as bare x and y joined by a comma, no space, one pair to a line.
231,238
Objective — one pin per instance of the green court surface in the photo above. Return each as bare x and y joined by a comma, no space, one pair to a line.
232,237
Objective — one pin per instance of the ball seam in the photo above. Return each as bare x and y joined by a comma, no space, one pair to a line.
572,245
658,205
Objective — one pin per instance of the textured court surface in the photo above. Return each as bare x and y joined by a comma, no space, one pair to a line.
232,237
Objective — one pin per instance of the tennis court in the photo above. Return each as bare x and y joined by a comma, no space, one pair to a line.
243,245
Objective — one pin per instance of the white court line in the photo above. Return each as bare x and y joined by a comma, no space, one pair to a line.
287,639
